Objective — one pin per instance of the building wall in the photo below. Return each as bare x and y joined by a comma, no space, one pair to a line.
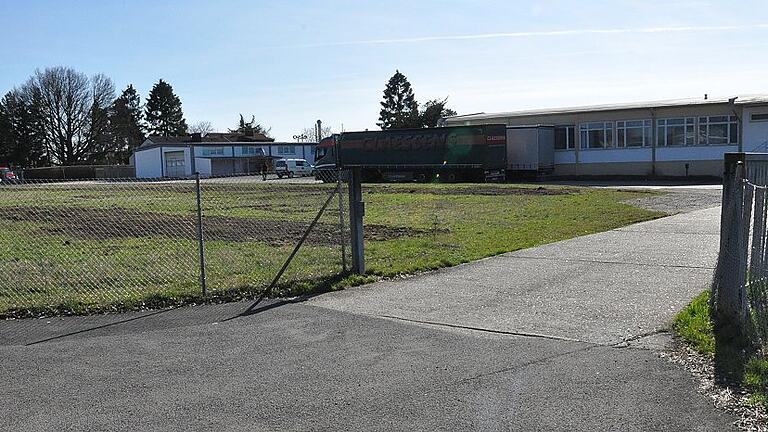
669,161
148,163
712,168
151,163
755,131
203,166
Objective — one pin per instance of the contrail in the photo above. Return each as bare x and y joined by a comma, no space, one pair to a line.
580,32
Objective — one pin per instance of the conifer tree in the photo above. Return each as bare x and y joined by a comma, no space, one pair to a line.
399,109
163,111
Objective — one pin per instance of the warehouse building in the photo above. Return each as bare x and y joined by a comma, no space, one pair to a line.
215,154
686,137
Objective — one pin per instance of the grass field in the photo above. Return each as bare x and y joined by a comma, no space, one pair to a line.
78,248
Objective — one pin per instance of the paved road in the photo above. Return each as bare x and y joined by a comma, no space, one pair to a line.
529,341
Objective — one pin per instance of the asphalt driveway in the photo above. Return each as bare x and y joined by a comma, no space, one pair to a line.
550,338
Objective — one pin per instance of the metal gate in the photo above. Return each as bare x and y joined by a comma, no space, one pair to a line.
175,164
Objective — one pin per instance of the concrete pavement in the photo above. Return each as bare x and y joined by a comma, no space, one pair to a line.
533,340
602,288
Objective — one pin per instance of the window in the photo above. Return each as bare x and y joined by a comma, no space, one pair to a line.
213,151
565,138
251,150
300,163
758,117
596,135
675,132
286,149
633,133
718,130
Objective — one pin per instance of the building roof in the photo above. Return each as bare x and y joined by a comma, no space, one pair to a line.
157,141
757,99
211,137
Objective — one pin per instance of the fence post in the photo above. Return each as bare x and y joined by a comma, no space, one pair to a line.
356,212
728,297
200,240
341,224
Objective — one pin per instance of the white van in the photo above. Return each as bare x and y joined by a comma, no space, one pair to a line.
293,167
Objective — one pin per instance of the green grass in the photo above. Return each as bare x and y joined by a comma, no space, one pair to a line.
50,269
694,326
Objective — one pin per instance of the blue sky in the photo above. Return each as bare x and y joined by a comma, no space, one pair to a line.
292,62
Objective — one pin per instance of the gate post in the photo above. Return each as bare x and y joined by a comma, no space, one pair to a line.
728,299
356,213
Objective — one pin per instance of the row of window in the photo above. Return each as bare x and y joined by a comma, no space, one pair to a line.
713,130
248,150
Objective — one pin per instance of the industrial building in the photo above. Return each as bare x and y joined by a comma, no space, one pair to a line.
685,137
214,154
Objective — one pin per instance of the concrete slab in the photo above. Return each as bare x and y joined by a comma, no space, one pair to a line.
602,288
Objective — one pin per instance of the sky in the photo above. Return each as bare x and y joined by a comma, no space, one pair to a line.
290,63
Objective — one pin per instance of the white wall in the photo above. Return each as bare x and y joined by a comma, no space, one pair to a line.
755,133
203,166
148,163
565,156
693,153
615,155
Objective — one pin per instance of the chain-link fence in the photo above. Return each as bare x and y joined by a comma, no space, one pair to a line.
740,288
75,246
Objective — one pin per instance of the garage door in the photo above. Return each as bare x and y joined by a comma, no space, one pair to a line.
175,165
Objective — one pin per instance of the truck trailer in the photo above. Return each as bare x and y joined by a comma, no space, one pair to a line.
479,153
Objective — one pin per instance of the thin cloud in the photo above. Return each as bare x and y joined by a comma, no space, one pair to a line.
531,34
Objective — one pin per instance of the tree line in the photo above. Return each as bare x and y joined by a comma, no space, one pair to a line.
63,117
60,116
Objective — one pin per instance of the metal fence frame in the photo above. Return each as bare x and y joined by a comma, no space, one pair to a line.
739,286
200,196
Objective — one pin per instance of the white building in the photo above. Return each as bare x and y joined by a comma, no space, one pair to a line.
664,138
212,155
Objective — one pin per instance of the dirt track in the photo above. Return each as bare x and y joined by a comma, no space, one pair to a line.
115,223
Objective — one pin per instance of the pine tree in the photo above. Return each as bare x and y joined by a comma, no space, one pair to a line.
22,137
163,111
433,111
399,107
125,120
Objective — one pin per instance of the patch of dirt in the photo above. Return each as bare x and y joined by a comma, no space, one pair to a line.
732,400
464,190
117,223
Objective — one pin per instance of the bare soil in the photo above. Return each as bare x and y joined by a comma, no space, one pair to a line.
471,190
115,223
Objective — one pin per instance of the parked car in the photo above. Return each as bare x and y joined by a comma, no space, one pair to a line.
293,167
7,175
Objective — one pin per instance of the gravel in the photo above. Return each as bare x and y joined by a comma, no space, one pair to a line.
674,201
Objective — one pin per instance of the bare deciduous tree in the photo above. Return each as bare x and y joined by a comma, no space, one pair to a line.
73,112
311,133
201,127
